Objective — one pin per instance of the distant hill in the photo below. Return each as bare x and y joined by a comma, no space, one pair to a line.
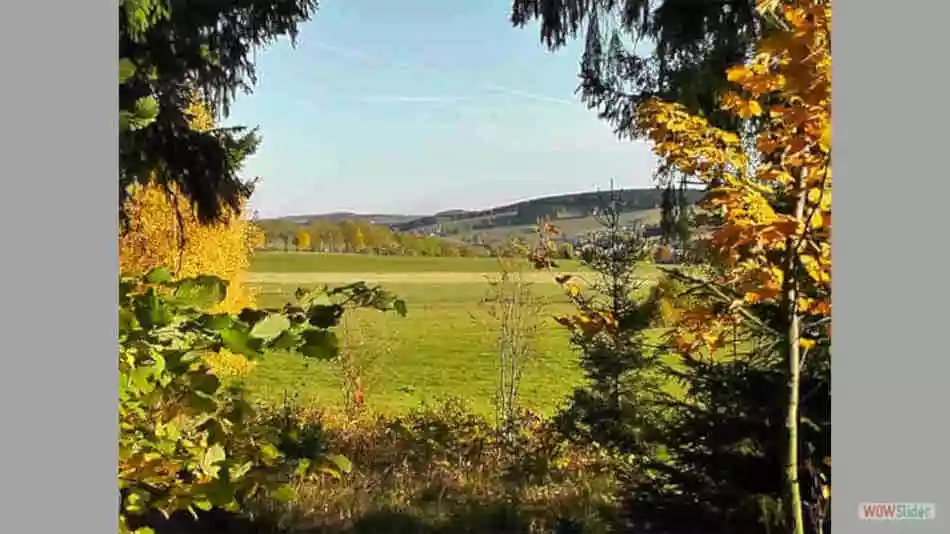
570,212
571,206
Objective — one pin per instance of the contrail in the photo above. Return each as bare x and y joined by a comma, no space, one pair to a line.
530,96
495,88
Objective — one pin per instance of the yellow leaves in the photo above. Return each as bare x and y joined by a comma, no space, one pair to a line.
777,111
729,138
818,220
768,144
550,229
796,17
669,313
806,343
202,119
765,285
155,239
825,142
712,340
303,240
791,67
765,84
814,306
730,100
225,363
255,237
739,74
164,231
745,108
819,271
784,227
588,322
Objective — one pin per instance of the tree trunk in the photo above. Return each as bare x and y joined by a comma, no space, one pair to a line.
793,362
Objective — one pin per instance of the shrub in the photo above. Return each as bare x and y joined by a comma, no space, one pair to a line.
186,442
440,468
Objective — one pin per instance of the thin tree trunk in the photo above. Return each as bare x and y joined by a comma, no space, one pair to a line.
793,361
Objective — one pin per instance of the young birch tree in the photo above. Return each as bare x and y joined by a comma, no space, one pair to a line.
773,195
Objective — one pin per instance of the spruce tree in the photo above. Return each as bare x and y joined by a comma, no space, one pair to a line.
616,408
677,50
172,49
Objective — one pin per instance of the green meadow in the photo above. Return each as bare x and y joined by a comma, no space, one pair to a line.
445,347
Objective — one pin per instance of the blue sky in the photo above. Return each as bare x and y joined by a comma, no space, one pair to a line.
423,105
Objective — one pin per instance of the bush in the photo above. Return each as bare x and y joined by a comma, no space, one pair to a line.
440,468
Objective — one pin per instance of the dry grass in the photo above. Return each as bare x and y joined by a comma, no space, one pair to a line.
440,469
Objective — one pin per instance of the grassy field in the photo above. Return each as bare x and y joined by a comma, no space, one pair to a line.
446,345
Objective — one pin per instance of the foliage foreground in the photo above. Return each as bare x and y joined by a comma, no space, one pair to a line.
186,442
436,469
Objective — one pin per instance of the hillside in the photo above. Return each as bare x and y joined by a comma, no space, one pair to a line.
570,212
570,206
572,209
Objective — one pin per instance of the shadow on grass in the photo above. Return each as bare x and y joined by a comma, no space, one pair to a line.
488,518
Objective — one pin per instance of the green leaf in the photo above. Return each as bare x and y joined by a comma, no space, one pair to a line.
341,462
136,501
217,322
238,340
284,493
271,327
201,292
320,344
180,360
159,275
126,121
198,404
303,467
203,504
146,108
144,113
127,320
126,69
220,493
151,311
269,451
287,340
238,471
205,383
214,455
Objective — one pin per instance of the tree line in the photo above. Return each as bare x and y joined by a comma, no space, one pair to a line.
359,236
